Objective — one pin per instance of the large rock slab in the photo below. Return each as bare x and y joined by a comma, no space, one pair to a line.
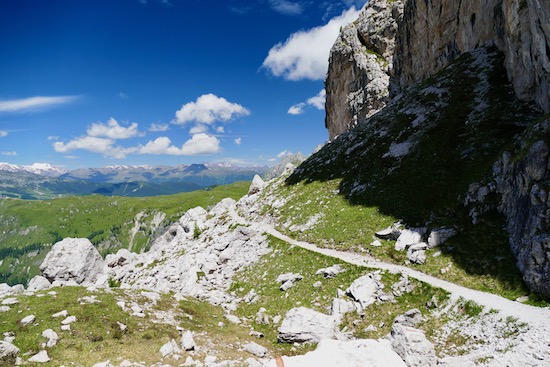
73,259
8,353
412,346
304,325
354,353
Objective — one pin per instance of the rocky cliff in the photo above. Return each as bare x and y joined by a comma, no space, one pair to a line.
395,44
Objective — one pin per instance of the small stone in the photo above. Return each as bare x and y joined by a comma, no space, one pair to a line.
255,349
69,320
27,320
8,353
65,327
40,357
10,301
233,319
317,284
376,243
256,334
63,313
187,341
5,308
52,337
169,348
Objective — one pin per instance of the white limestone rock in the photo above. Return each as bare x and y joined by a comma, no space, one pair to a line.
73,259
63,314
8,353
304,325
256,186
38,283
408,237
412,346
27,320
169,349
439,236
331,271
69,320
364,290
255,349
40,357
187,341
353,353
52,337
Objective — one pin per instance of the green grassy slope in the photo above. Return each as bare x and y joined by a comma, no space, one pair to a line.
28,228
414,161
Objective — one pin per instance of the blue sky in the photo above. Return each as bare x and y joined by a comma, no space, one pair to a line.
92,83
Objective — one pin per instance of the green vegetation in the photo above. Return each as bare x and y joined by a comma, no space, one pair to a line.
284,258
30,227
450,130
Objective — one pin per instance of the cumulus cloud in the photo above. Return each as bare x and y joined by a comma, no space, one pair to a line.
10,154
199,144
3,133
159,127
94,144
238,141
304,55
32,103
286,7
317,101
220,129
113,130
208,109
198,128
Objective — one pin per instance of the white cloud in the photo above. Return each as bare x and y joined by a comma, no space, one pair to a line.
3,133
201,144
198,128
159,127
10,154
53,137
317,101
304,55
113,130
94,144
209,108
31,103
220,129
286,7
238,141
297,109
123,95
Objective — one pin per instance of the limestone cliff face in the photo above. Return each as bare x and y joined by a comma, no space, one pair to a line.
361,60
395,44
435,32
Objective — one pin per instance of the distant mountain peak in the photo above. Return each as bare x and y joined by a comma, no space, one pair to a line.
42,169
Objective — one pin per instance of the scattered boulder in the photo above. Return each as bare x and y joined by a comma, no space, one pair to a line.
187,341
304,325
52,337
402,286
169,349
10,301
364,290
40,357
8,353
27,320
439,236
63,313
417,253
287,280
408,237
412,345
256,186
410,318
340,307
390,233
122,257
73,259
38,283
331,271
255,349
69,320
353,353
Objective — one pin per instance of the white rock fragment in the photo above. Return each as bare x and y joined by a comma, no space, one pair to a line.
63,313
27,320
40,357
233,319
255,349
256,186
304,325
69,320
8,353
170,348
103,364
65,327
409,237
10,301
38,283
187,341
439,236
331,271
51,336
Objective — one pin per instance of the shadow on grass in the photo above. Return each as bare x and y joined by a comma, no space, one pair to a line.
417,158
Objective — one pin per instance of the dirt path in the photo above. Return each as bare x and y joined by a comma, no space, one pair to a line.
526,313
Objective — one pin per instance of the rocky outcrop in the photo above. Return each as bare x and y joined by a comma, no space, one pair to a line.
434,33
73,259
395,44
304,325
361,60
523,180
